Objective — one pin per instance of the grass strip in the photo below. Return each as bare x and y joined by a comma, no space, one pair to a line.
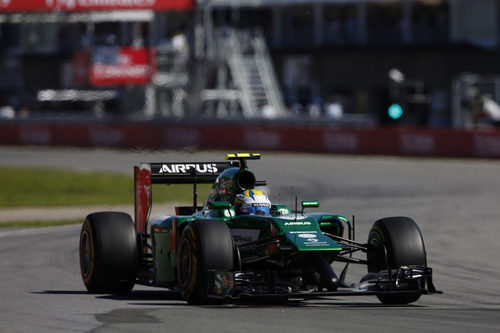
45,187
38,224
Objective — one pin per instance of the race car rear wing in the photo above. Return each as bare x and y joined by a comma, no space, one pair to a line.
147,174
187,173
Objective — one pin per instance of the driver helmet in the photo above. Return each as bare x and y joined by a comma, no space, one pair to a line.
252,202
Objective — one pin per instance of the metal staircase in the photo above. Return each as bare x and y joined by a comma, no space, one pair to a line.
251,74
233,78
267,75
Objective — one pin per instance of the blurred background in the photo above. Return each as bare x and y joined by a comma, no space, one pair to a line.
343,64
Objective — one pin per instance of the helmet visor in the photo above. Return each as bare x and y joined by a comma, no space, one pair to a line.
254,210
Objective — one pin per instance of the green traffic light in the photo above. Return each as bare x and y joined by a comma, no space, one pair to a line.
395,111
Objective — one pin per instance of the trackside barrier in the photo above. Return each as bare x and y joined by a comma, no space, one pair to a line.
294,138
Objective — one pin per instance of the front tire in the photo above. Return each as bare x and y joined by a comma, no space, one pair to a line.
204,246
108,253
404,246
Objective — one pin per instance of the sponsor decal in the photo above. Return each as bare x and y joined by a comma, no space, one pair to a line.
259,204
310,238
315,242
241,236
185,168
229,213
293,217
283,211
307,235
298,223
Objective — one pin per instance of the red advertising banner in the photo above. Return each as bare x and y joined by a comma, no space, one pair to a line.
119,65
94,5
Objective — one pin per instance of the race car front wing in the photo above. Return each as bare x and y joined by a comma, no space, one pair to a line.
405,280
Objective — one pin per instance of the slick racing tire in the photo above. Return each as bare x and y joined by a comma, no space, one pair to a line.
204,245
108,253
404,245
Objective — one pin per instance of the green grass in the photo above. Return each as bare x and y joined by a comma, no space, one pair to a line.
38,224
43,187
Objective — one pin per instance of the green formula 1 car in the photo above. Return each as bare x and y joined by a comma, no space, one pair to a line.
219,252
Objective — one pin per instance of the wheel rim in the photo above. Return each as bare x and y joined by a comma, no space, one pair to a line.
185,262
85,253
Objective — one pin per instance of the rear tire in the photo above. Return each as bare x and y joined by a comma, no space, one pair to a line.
108,253
405,246
203,246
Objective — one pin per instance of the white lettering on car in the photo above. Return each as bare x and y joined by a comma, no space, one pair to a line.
307,235
298,223
185,168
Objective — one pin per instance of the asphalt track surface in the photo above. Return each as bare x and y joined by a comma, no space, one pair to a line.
455,202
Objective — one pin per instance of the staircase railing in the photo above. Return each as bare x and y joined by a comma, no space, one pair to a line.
267,74
246,54
233,52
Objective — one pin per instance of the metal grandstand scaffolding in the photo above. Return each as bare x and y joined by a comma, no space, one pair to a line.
245,83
